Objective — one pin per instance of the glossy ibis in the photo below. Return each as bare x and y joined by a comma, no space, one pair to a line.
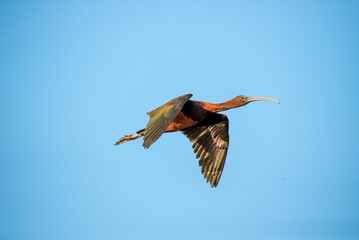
200,122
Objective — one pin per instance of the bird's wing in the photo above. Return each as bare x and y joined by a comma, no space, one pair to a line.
210,141
161,118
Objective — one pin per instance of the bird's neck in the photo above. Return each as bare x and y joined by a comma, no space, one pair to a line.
220,107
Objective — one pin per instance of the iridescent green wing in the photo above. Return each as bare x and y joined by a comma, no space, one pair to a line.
161,118
210,142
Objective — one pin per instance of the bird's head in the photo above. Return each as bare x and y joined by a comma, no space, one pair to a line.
243,100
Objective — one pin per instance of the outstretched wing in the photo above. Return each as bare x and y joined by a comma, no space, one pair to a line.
161,118
210,141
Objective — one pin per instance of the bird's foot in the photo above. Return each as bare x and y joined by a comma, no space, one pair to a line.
127,138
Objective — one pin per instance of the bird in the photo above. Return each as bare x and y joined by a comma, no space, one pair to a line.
201,123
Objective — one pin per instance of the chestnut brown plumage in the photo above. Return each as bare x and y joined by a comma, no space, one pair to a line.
201,123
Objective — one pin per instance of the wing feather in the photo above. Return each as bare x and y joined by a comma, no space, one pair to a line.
161,118
210,141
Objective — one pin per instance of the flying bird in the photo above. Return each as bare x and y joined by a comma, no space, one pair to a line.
201,123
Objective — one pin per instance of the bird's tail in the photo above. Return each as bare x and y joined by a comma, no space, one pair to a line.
130,137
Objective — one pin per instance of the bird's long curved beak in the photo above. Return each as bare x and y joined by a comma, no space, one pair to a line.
251,99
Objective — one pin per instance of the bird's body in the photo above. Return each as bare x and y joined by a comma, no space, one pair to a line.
201,123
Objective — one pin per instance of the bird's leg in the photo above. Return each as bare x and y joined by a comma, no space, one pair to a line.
130,137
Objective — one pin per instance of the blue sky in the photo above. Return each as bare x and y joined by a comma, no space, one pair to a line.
77,75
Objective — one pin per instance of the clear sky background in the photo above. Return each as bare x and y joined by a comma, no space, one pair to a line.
77,75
